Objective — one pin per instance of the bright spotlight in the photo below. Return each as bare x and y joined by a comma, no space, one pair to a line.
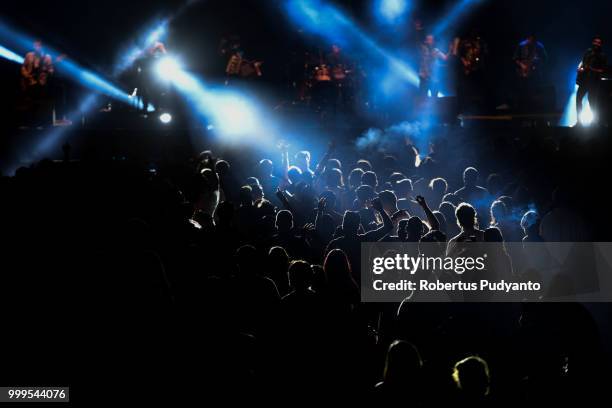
168,68
391,10
570,118
587,116
165,118
331,23
234,115
10,55
128,56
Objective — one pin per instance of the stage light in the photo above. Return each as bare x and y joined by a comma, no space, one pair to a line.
165,118
157,31
13,39
230,113
157,34
455,13
336,27
49,142
570,117
94,82
168,69
10,55
131,54
390,11
69,68
234,115
587,116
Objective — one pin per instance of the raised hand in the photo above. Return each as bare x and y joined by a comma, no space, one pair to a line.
321,204
281,195
308,228
283,146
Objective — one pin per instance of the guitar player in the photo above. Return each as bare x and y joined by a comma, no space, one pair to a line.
590,72
530,58
469,54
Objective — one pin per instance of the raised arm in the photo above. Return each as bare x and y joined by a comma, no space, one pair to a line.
320,210
431,218
284,148
441,55
385,228
323,162
284,200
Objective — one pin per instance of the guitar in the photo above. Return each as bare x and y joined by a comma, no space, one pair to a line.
322,73
251,68
585,72
471,56
526,68
237,66
470,64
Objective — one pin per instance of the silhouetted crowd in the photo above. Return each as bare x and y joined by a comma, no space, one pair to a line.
247,271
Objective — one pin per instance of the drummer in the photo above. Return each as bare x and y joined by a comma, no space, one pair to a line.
331,81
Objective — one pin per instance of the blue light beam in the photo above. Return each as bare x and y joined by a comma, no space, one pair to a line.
455,13
69,68
10,55
570,116
149,38
334,26
231,114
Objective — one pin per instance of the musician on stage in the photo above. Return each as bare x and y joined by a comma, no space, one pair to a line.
335,58
36,71
238,67
341,73
469,55
331,82
430,58
590,72
530,58
150,89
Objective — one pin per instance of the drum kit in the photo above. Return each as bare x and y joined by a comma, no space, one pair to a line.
325,85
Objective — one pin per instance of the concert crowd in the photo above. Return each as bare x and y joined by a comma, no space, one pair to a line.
246,269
